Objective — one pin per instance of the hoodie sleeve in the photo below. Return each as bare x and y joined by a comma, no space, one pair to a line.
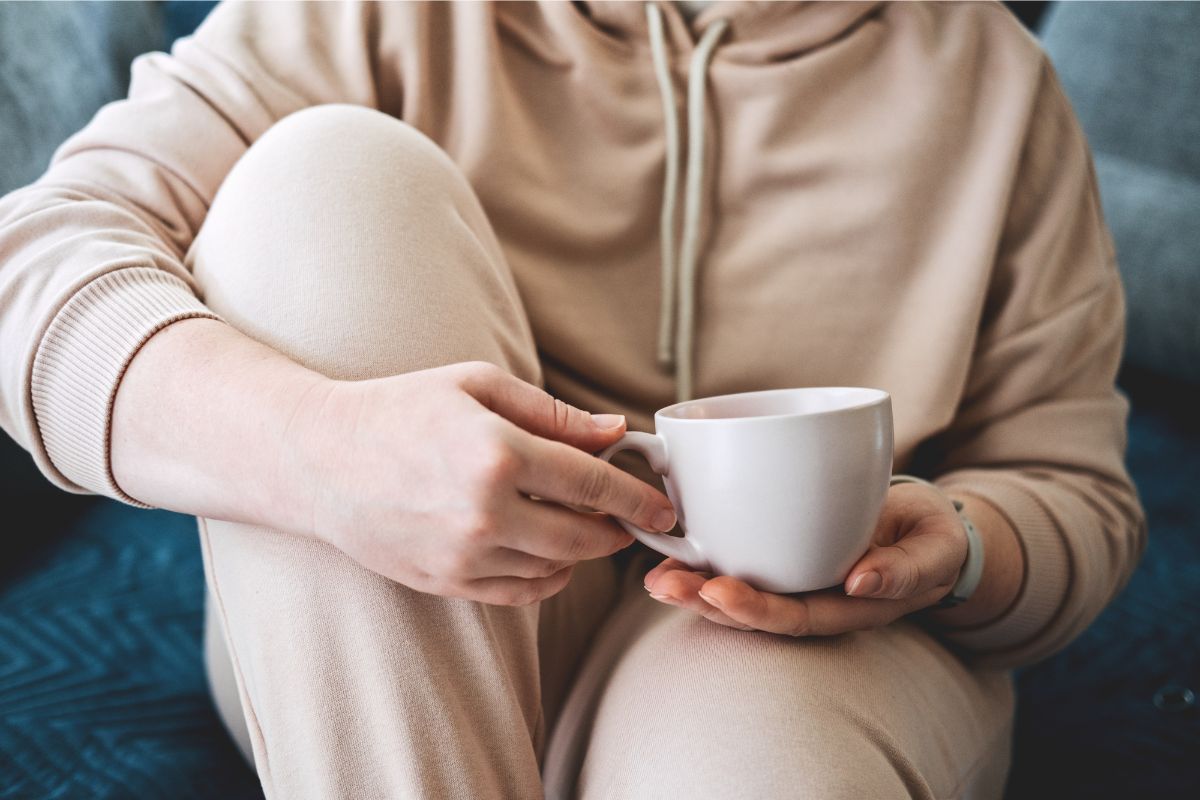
1041,429
92,253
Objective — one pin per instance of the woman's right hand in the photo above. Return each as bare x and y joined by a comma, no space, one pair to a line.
429,478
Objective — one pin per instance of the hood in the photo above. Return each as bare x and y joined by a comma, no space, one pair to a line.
758,32
741,31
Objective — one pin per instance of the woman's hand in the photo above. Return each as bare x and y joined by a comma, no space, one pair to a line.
426,478
916,554
429,478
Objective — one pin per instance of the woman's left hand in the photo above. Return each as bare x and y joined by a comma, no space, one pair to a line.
915,556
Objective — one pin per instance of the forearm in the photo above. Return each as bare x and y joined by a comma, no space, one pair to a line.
1003,568
200,423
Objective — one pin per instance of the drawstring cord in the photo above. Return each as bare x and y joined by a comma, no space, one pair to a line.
676,336
666,314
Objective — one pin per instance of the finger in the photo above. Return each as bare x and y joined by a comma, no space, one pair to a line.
680,587
558,472
547,530
666,565
505,562
536,411
823,613
924,559
505,591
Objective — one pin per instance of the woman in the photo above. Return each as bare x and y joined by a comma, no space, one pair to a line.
305,284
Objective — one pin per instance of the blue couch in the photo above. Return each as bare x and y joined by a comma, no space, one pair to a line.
102,690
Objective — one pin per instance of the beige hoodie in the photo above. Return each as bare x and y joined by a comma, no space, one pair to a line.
770,195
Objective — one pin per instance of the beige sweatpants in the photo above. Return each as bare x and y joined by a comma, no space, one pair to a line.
350,241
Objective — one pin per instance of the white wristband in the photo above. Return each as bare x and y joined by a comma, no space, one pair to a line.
972,569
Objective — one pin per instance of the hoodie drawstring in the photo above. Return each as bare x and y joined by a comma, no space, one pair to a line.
676,335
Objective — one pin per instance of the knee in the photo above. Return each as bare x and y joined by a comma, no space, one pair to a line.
329,238
758,714
344,160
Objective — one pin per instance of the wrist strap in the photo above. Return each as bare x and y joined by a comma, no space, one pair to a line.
972,569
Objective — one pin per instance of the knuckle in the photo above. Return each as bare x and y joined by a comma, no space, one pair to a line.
525,594
562,416
447,587
561,578
502,597
593,486
497,597
479,370
496,464
457,562
910,580
549,568
935,594
576,547
473,375
644,509
477,526
554,583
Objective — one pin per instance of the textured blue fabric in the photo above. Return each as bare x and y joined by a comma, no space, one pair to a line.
1132,73
1087,725
102,688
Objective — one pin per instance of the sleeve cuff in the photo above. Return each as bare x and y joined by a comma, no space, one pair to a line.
1047,568
82,357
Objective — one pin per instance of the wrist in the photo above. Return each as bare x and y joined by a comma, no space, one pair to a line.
306,406
1003,569
969,568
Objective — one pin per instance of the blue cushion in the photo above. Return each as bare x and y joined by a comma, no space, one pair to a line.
1132,73
59,62
102,687
1087,722
184,16
1155,221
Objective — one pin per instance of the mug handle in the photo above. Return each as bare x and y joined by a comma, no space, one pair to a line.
654,449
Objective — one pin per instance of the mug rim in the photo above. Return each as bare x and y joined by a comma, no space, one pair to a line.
879,397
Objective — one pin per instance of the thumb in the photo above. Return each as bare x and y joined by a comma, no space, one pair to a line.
913,566
539,413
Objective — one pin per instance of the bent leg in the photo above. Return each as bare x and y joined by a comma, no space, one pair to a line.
671,705
349,241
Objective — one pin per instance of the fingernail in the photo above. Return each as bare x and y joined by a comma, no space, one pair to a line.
664,520
608,422
712,601
866,584
661,596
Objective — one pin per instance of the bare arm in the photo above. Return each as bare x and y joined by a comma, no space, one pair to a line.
427,478
200,424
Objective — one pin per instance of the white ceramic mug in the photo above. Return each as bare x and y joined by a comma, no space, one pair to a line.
781,488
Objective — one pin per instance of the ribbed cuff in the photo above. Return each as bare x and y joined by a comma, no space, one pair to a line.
1047,567
82,357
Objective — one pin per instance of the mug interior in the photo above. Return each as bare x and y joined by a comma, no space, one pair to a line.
775,403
